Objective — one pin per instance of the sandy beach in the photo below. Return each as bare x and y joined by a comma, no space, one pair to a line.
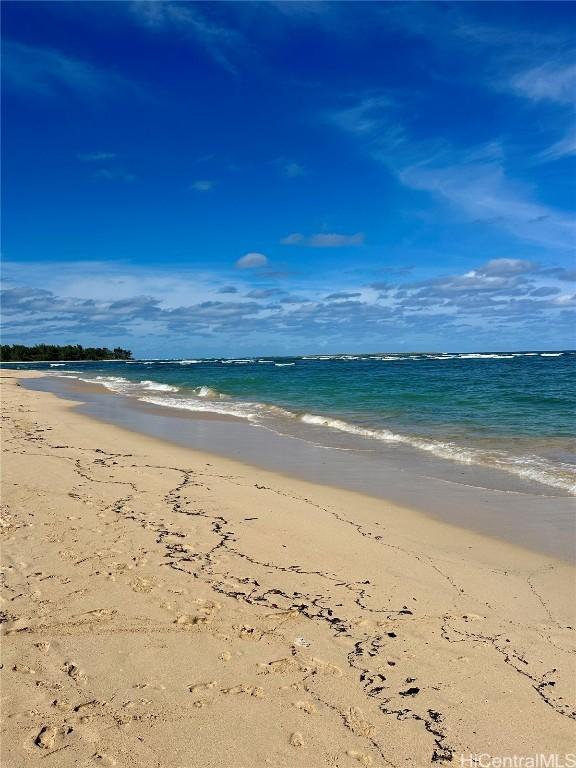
166,607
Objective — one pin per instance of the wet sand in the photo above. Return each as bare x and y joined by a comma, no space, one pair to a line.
166,607
483,499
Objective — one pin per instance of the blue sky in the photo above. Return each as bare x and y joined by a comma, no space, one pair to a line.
282,178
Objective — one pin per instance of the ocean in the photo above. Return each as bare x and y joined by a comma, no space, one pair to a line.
512,411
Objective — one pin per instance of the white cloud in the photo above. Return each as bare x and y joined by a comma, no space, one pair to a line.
290,168
251,260
114,174
368,116
46,72
551,81
203,185
220,42
474,182
507,267
293,170
565,147
263,293
103,300
482,191
95,157
294,239
324,240
335,240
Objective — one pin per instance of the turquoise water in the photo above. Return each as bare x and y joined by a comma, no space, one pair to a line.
514,411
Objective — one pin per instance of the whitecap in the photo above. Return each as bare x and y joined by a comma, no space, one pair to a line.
156,385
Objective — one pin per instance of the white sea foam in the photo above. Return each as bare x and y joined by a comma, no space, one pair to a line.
551,354
121,385
484,356
531,468
283,365
108,380
208,392
240,410
158,386
67,374
206,399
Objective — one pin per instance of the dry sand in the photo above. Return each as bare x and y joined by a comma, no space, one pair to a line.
163,607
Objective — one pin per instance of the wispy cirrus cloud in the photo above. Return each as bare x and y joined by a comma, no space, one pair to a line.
480,189
222,43
550,81
564,147
473,181
47,72
324,240
114,174
290,169
106,168
96,157
202,185
293,170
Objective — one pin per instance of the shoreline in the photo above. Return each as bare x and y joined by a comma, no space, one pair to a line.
509,445
173,608
466,497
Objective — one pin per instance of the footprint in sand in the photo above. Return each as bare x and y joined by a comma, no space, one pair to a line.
362,757
201,703
251,690
201,687
354,720
24,669
142,585
62,704
73,672
306,706
46,737
246,632
103,759
297,740
188,622
100,613
291,664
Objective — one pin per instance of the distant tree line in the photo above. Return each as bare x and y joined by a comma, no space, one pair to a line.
12,353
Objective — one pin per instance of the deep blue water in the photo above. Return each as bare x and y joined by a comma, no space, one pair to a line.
515,411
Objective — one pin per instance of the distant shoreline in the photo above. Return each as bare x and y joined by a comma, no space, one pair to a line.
309,355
